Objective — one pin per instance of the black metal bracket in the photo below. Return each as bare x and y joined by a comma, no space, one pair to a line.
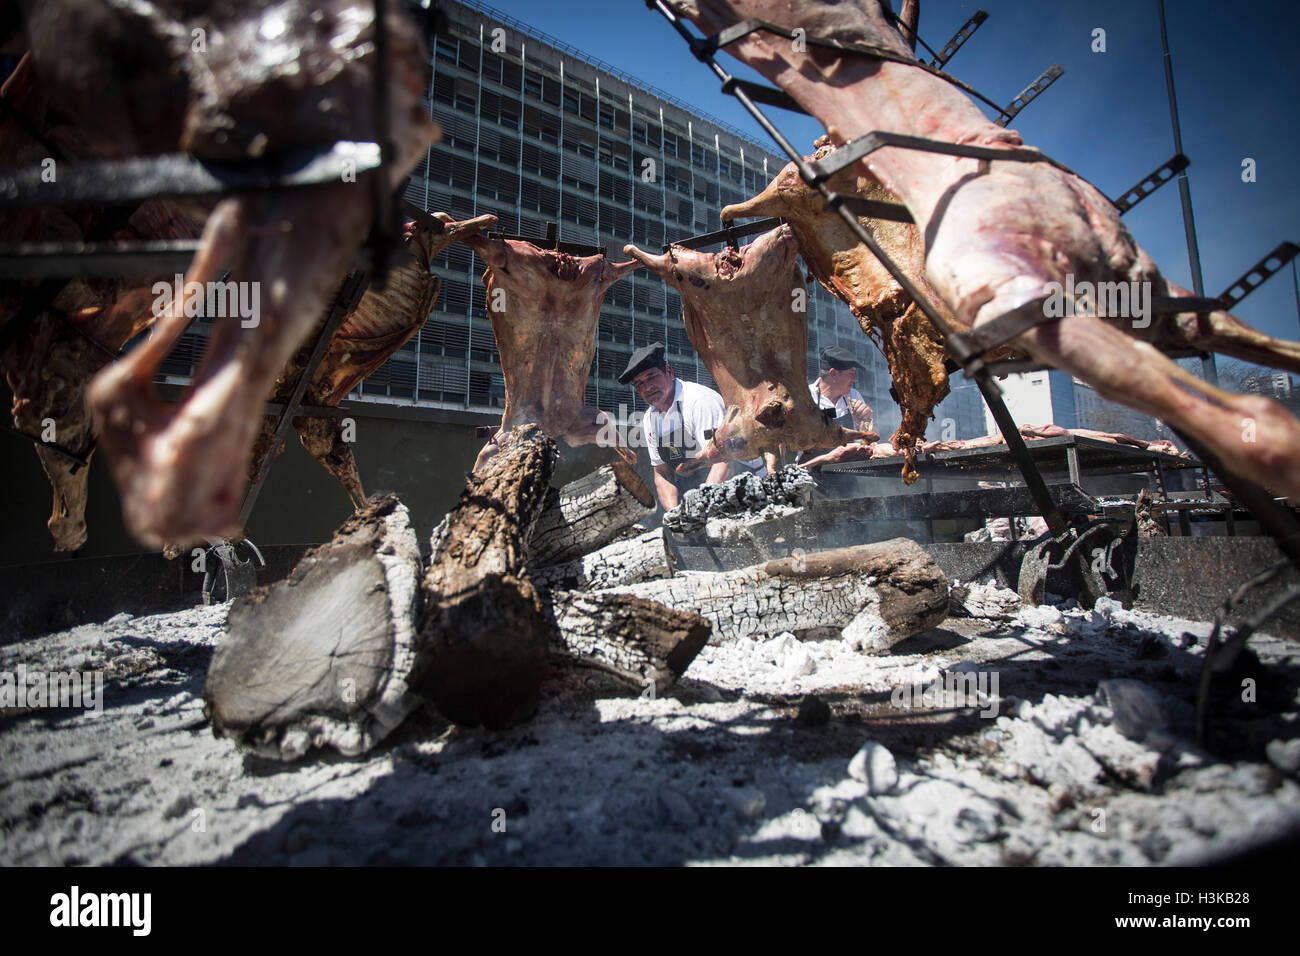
1274,262
552,243
112,182
762,93
1150,183
729,235
998,332
863,146
875,209
959,38
1029,93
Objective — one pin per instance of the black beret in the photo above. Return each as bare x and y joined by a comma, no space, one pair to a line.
648,356
837,358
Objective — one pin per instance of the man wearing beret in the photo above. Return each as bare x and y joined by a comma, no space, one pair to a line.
834,393
677,425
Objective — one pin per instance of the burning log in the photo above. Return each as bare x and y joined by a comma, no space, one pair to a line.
639,642
878,594
325,657
743,494
631,561
482,638
588,513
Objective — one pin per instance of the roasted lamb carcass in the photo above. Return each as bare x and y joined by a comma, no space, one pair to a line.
269,78
741,315
1000,233
544,306
912,346
383,321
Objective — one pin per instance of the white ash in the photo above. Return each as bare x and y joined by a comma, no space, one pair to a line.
718,772
982,600
789,489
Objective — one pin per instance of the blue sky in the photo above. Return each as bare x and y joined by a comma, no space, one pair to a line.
1236,74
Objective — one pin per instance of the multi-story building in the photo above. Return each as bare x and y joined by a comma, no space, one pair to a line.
534,131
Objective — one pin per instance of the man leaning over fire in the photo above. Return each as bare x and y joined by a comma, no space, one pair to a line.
835,395
678,424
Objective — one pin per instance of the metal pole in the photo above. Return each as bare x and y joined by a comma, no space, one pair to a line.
1208,370
1295,285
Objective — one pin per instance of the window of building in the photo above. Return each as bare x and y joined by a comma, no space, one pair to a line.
469,56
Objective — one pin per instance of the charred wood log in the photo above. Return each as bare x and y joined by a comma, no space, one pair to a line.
325,657
588,513
630,561
639,642
483,640
878,593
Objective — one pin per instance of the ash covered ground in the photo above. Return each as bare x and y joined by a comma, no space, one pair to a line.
778,751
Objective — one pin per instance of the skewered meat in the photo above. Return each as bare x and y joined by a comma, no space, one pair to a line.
544,306
856,451
999,234
270,77
382,323
741,315
65,333
911,345
961,444
1112,438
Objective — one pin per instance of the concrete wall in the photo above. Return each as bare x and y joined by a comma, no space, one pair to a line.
420,454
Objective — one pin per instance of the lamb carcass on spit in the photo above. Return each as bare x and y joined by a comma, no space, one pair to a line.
741,313
269,78
999,233
383,321
544,306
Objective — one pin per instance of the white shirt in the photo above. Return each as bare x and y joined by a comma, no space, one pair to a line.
840,405
701,408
